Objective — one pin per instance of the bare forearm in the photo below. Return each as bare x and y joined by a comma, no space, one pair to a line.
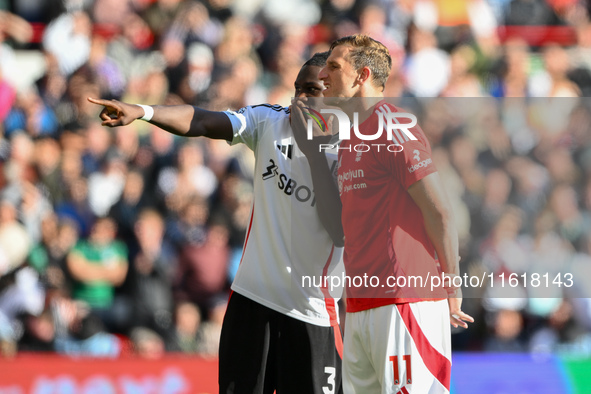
183,120
174,119
83,271
189,121
328,202
116,274
443,234
429,195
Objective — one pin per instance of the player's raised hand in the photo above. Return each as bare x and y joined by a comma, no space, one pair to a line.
116,113
299,124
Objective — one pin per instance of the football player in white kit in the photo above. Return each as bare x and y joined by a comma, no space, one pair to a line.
278,335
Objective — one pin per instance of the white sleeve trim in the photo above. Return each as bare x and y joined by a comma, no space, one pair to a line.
238,124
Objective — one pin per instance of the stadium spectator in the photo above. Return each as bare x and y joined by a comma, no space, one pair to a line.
427,67
68,38
160,15
81,333
553,81
187,223
21,294
507,328
127,209
31,114
187,321
201,276
148,287
110,76
98,264
572,224
75,207
193,336
189,176
106,185
15,241
39,333
147,344
47,159
47,257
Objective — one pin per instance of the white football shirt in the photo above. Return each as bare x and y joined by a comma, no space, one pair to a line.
285,240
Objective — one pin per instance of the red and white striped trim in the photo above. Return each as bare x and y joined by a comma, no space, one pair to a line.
330,305
436,363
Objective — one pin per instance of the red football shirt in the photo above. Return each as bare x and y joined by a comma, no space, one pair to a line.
385,236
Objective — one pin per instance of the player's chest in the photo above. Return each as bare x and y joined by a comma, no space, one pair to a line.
359,174
283,170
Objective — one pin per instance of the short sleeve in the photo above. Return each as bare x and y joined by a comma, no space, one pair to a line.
245,125
412,163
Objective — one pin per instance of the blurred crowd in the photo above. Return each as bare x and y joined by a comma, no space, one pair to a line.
125,240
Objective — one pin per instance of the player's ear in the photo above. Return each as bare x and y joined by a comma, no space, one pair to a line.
364,75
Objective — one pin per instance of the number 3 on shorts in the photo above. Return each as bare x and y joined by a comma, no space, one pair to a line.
331,371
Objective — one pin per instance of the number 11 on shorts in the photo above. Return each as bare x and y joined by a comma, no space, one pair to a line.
406,359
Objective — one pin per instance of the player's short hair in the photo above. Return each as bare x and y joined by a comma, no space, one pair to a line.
370,53
318,59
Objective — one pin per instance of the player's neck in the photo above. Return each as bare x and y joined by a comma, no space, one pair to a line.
362,105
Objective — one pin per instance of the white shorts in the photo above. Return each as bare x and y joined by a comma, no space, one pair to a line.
403,348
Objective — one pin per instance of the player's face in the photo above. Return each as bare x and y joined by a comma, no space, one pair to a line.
307,83
338,75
